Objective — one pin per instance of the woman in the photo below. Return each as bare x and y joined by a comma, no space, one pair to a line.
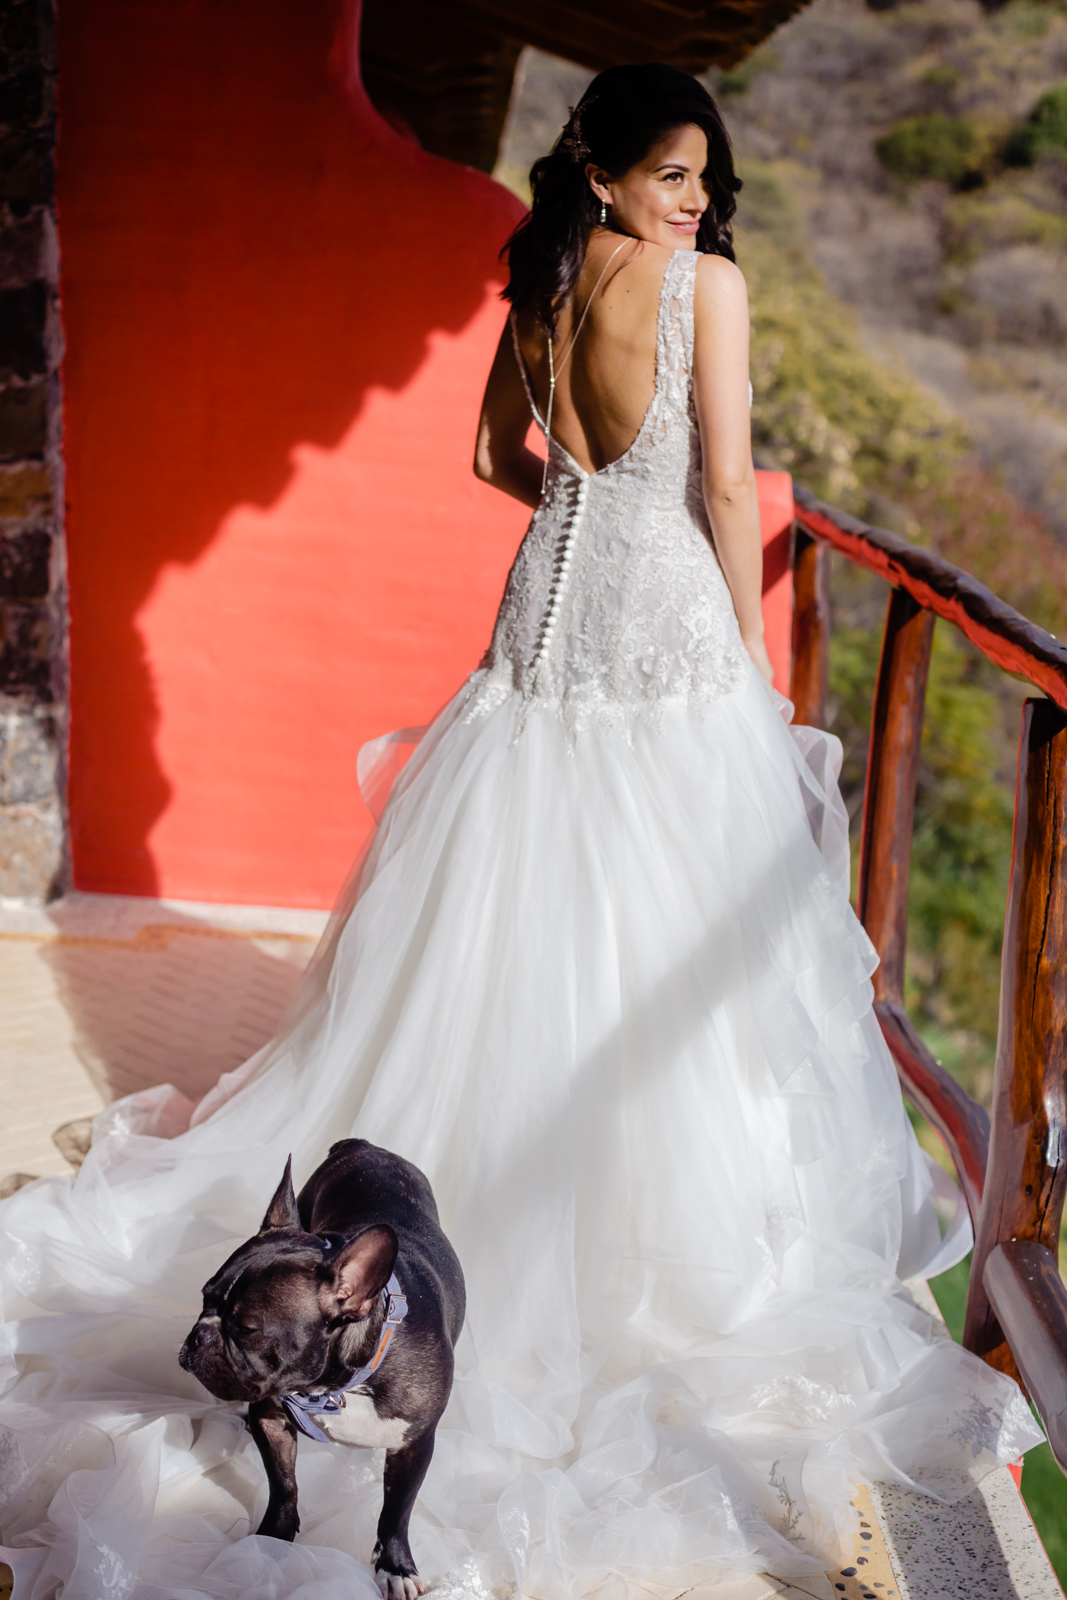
598,976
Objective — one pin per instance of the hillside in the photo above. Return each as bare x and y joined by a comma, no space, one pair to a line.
932,204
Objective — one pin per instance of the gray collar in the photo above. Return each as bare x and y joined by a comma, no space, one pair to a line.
301,1406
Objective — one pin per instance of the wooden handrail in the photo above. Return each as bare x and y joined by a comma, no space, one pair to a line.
1027,1173
1023,1282
962,1123
1015,1174
1003,634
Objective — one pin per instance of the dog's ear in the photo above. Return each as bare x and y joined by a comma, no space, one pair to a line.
282,1211
361,1271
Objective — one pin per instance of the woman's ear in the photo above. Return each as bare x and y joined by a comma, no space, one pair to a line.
598,181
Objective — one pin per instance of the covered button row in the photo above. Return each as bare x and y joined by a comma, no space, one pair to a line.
564,567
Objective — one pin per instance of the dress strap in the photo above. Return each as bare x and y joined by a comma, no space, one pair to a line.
553,374
677,333
581,320
545,423
679,296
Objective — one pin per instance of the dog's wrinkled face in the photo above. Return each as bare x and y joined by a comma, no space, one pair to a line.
274,1310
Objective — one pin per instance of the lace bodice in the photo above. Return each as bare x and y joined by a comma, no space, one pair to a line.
616,601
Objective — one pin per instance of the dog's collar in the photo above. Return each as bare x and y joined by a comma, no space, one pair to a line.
301,1406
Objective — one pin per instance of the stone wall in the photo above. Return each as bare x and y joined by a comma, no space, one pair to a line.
33,641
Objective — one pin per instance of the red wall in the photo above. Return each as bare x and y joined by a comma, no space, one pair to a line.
279,317
776,513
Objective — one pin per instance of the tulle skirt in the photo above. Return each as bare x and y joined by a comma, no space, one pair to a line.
607,991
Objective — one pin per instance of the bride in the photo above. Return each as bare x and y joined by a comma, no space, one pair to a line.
599,978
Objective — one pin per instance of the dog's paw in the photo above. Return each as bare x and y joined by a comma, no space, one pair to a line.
396,1587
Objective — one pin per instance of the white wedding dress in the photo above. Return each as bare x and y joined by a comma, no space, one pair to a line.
599,978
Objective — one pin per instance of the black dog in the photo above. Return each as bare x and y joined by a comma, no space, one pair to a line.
339,1319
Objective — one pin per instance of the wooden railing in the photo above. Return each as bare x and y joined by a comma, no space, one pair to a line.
1013,1170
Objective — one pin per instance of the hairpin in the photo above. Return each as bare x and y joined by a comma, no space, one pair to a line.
571,138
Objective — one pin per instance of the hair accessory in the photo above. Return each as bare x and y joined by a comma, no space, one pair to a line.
571,138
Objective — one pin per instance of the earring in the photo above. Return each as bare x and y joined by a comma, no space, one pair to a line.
603,212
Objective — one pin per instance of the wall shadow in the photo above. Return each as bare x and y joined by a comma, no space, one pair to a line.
247,249
171,998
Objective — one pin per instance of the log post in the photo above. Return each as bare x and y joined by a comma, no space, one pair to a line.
811,630
1027,1172
889,798
885,859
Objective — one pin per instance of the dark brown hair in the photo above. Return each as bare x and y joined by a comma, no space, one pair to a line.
624,112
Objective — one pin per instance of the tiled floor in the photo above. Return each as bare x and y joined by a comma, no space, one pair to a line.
102,995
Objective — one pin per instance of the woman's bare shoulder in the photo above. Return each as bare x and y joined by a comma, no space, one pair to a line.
720,283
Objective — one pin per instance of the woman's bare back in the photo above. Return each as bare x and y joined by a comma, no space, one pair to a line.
605,388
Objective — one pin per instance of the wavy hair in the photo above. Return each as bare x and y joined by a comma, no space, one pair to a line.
624,112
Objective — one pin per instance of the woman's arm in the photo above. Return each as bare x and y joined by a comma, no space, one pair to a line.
500,454
720,383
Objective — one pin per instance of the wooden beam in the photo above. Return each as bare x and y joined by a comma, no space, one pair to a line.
811,630
889,797
1027,1175
1000,632
446,71
694,34
1023,1283
450,82
961,1121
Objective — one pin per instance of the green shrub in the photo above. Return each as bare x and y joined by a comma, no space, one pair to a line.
933,146
1043,133
1024,19
941,76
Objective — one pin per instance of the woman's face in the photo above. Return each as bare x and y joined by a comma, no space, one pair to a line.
663,198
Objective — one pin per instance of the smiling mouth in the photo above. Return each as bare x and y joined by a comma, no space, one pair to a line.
689,226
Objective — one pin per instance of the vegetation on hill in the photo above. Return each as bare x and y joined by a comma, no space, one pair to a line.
1044,133
927,146
933,146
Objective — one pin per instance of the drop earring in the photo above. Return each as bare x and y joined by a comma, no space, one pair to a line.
603,212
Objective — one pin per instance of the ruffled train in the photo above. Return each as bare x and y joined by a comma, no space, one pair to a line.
606,990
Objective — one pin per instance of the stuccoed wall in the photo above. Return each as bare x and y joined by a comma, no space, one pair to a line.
33,679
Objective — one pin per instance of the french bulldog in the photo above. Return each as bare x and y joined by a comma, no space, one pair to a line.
339,1320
